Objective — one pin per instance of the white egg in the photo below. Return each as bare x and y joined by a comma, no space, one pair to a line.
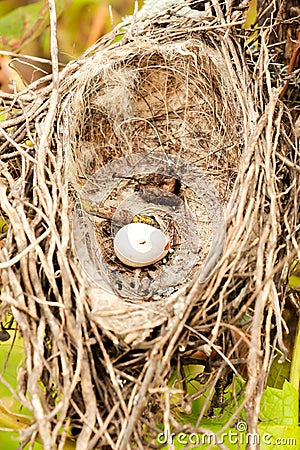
139,245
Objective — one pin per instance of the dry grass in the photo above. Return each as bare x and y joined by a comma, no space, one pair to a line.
101,364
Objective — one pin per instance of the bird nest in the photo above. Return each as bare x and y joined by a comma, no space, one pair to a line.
161,122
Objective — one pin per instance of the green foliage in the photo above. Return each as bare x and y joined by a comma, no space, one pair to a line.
279,372
279,415
12,415
22,25
80,23
280,406
85,21
294,278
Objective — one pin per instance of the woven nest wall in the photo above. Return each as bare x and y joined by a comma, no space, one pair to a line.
170,118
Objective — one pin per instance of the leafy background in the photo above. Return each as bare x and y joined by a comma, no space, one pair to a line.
24,28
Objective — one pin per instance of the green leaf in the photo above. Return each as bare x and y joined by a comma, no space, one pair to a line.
25,24
280,406
11,356
279,436
294,278
12,415
279,372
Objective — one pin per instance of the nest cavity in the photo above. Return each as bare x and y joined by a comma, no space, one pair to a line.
144,97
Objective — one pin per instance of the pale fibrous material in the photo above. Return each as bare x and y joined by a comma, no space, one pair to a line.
177,7
139,244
